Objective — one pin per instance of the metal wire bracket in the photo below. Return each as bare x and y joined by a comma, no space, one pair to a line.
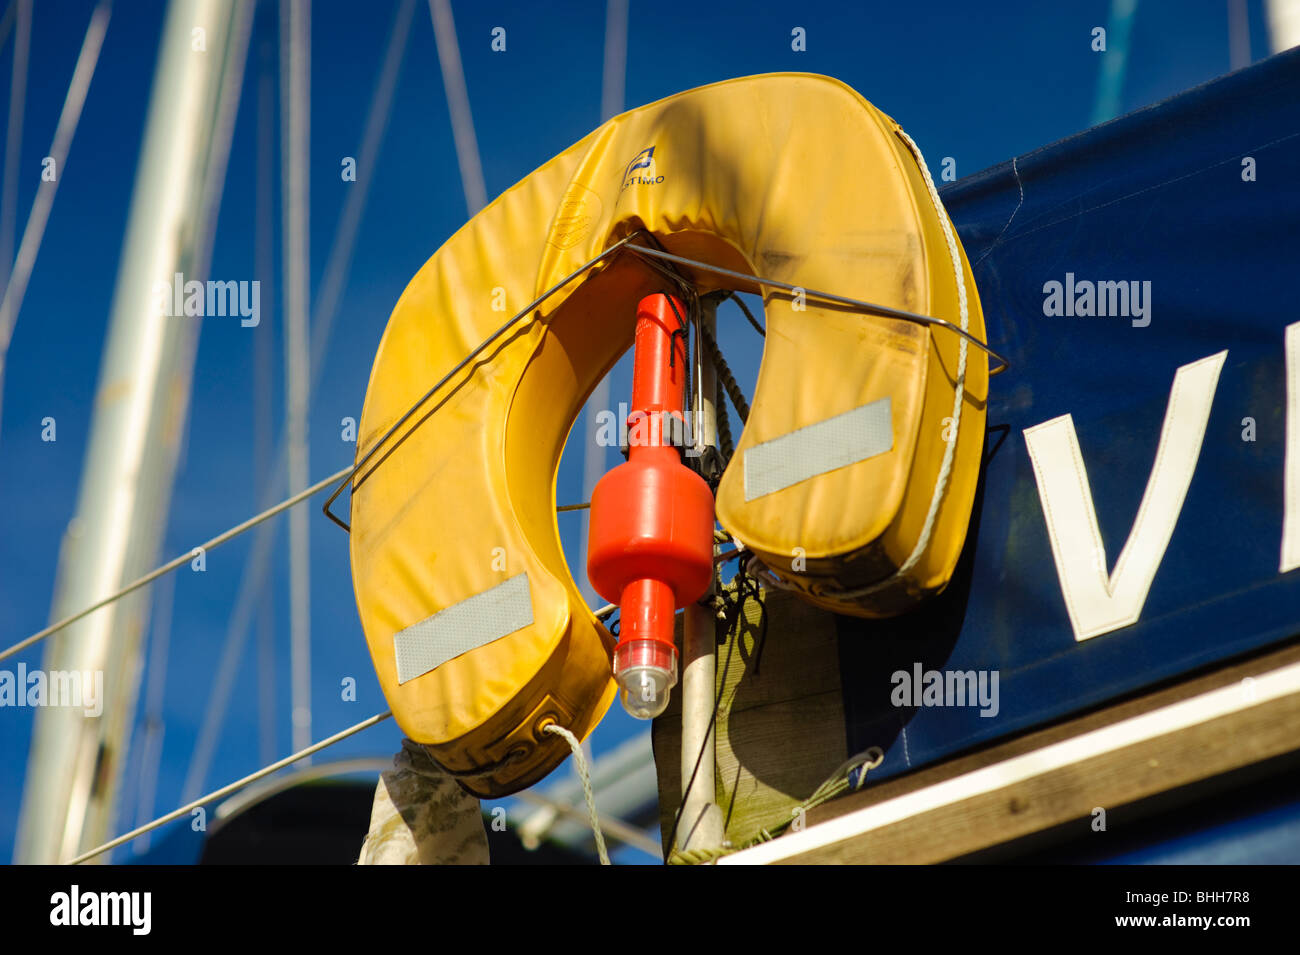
662,261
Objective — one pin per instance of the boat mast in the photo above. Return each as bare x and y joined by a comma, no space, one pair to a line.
76,761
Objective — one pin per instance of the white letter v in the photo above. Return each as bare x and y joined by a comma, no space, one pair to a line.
1096,603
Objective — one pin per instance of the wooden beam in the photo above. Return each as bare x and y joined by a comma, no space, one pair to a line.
1232,718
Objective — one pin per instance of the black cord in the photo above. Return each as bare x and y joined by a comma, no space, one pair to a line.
725,443
748,314
729,383
688,393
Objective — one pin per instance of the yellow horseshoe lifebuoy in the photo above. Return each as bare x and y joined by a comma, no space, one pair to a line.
853,479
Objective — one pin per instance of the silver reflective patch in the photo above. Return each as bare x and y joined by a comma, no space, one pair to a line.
468,625
818,448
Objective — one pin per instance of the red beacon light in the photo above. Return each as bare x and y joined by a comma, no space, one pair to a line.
650,545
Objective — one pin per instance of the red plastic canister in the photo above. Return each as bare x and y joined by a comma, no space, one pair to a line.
650,545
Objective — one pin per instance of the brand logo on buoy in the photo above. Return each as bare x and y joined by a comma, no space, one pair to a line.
641,170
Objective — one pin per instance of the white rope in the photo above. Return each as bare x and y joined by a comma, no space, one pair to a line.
585,776
945,468
228,789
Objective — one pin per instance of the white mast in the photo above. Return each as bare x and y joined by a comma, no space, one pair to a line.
76,760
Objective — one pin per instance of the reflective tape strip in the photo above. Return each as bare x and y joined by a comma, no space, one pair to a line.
818,448
462,627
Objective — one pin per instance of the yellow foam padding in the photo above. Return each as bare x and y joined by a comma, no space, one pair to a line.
789,176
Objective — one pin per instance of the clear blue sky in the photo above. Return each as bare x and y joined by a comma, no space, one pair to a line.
977,82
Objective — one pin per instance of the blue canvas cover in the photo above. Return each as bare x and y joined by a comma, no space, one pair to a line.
1200,197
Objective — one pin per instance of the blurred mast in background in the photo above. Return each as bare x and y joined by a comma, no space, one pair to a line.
295,189
462,120
594,460
22,11
1114,62
75,767
1238,35
253,582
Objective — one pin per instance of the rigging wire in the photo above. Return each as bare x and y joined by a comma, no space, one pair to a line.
15,288
666,260
232,787
462,120
177,562
459,366
21,12
853,303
